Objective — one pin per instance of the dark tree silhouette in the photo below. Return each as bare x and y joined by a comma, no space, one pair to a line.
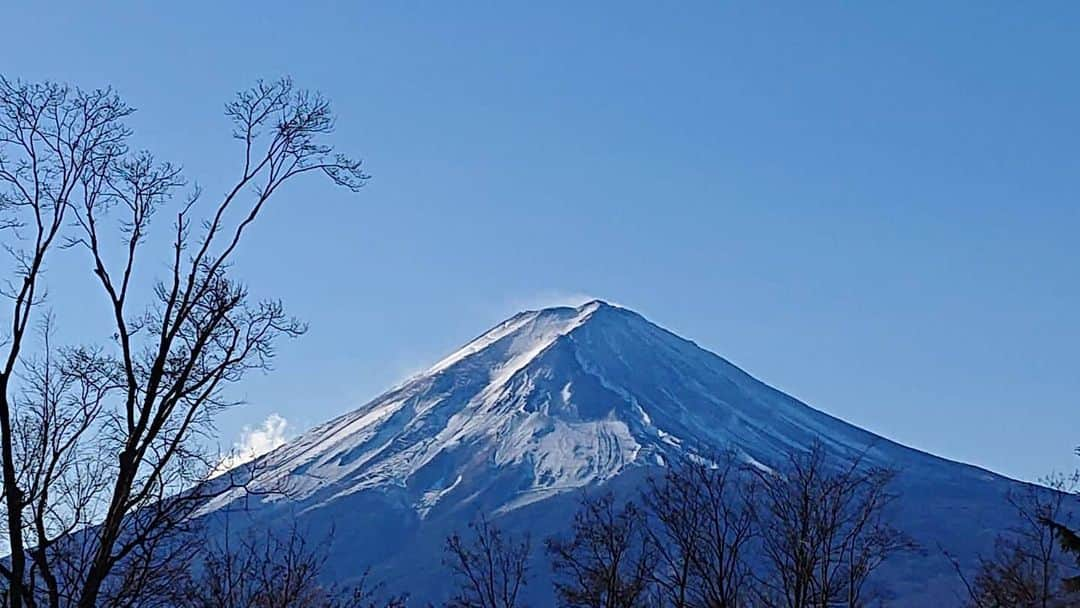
700,527
106,434
1026,569
608,559
824,530
1068,538
491,567
1070,544
270,571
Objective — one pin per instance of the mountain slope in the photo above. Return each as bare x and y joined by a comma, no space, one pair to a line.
564,398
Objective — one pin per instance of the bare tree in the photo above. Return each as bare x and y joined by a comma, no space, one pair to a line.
824,529
607,561
491,567
1026,569
99,444
701,526
51,139
270,570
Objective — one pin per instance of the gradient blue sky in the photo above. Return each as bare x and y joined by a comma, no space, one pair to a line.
872,206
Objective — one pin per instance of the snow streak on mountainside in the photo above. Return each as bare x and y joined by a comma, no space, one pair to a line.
558,399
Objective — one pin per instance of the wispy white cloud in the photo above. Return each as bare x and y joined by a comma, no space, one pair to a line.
255,442
551,298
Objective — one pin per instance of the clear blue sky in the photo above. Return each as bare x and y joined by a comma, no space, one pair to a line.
872,206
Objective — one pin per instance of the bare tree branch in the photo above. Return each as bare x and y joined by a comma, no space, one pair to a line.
492,568
100,445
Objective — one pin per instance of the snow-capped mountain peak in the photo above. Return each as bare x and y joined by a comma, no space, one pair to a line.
546,401
558,399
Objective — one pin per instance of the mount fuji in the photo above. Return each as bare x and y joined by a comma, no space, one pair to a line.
516,422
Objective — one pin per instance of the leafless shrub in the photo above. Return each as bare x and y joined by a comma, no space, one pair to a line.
701,527
271,570
824,530
1026,569
608,559
491,567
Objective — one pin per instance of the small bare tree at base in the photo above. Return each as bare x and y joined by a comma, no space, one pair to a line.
700,527
608,559
491,568
99,444
270,570
1027,567
824,530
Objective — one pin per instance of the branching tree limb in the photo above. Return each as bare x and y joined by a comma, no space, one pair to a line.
270,570
491,567
1027,566
99,444
607,561
824,529
701,527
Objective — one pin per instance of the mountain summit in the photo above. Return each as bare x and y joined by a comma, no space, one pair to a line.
554,400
